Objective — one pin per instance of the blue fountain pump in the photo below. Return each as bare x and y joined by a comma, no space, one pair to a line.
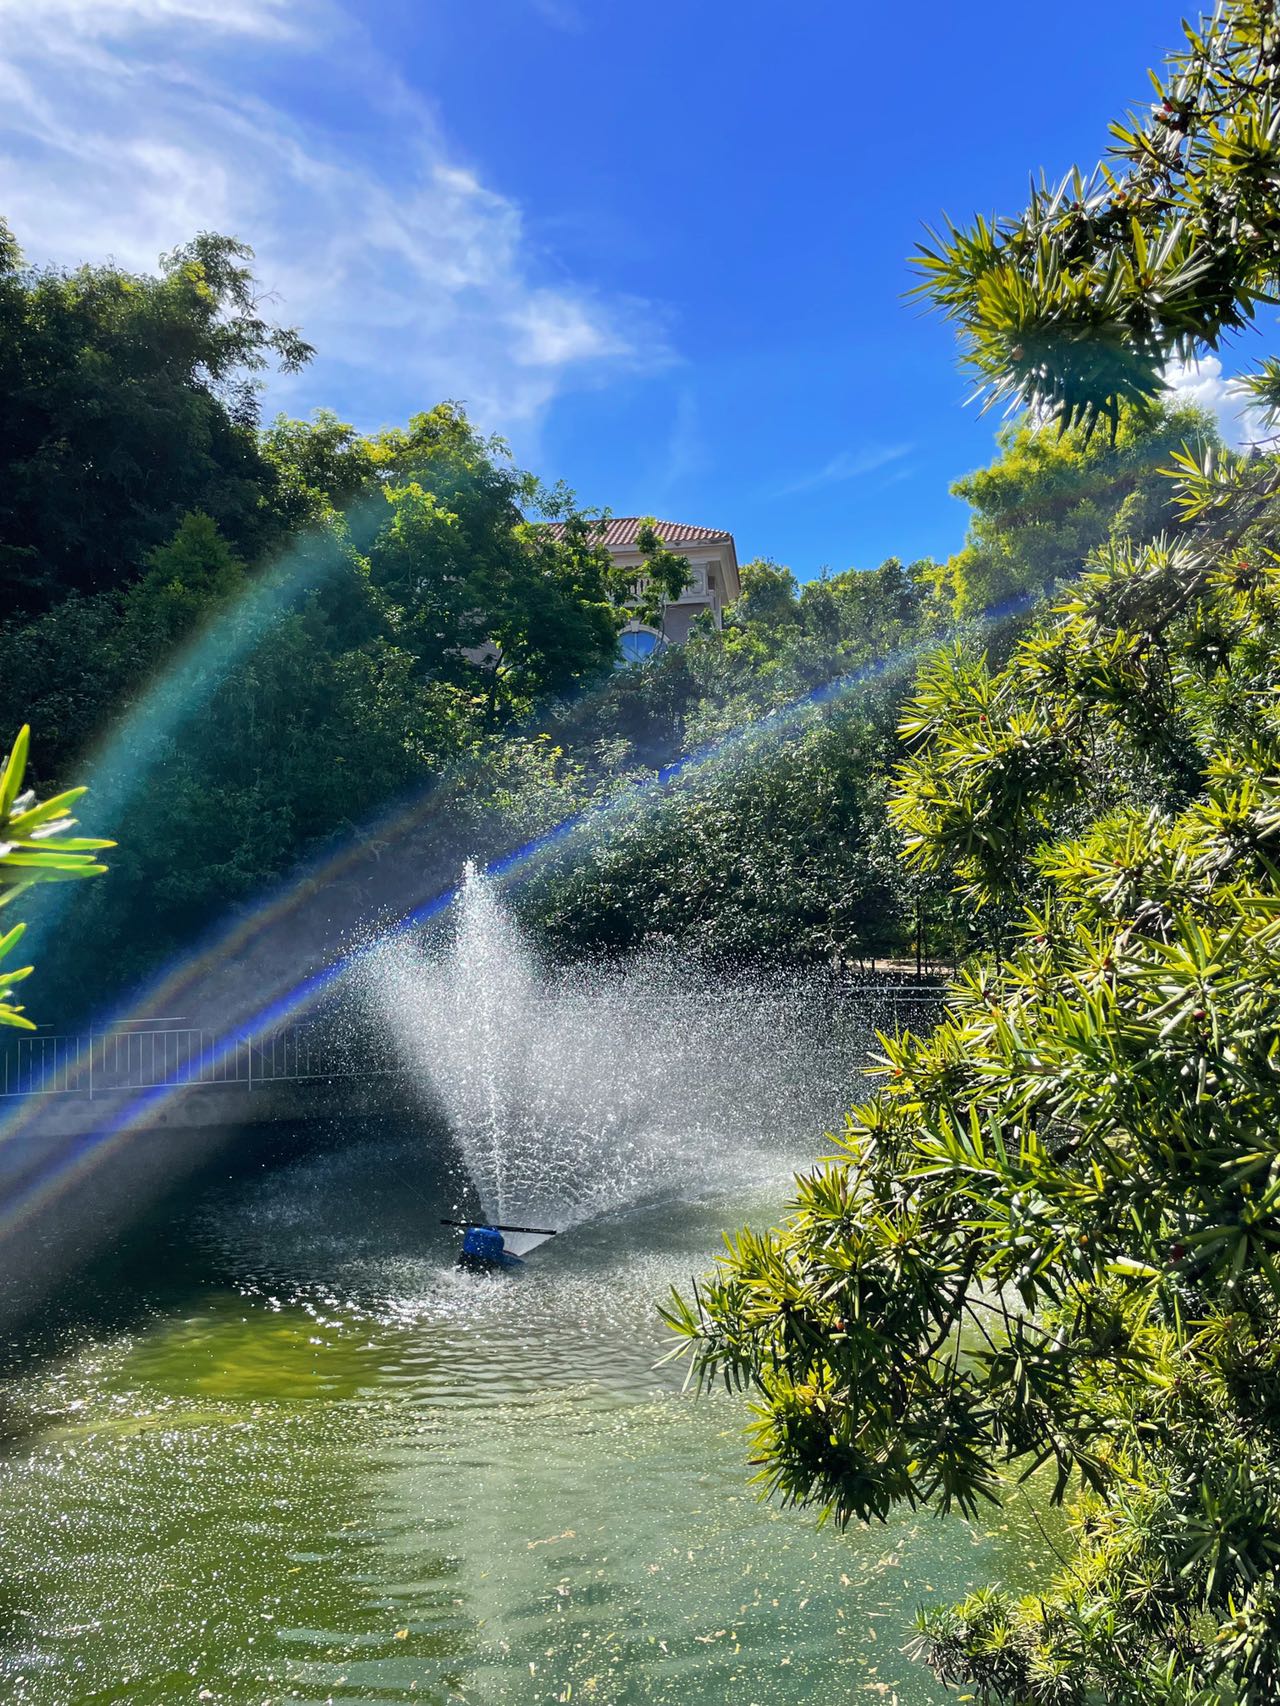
485,1247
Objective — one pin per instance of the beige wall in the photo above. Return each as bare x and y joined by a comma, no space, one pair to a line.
677,619
714,584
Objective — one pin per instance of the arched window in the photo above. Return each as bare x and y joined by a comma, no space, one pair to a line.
638,645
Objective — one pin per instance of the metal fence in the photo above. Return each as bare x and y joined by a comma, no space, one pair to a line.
167,1055
101,1062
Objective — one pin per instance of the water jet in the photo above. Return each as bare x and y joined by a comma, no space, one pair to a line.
576,1093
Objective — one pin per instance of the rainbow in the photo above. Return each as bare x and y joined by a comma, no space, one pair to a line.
226,964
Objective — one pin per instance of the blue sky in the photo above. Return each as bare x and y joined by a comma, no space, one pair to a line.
661,248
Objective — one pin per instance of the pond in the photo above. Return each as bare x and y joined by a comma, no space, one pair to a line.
284,1452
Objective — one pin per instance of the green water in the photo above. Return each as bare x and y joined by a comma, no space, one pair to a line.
288,1454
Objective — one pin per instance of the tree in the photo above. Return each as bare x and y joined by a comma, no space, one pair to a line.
777,850
1077,305
127,401
778,847
1049,500
320,467
415,616
35,847
769,595
1050,1239
1045,1251
663,578
484,598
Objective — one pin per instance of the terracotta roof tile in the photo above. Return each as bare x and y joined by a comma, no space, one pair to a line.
621,530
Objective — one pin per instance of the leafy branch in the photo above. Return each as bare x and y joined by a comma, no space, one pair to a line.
35,847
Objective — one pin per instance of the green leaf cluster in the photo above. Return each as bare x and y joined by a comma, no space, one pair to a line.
1049,1246
1077,305
1045,1254
417,617
777,847
35,847
127,401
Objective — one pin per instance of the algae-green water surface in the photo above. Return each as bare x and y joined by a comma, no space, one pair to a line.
289,1454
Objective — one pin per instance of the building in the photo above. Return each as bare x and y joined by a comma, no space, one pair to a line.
713,579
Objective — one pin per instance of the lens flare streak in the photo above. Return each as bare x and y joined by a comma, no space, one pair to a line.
55,1174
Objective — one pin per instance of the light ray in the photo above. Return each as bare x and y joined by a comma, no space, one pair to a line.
57,1172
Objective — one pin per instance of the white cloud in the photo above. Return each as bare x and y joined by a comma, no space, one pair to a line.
847,465
1204,384
554,331
129,125
107,18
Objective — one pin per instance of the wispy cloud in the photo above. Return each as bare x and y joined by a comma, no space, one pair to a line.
103,19
684,455
129,125
847,465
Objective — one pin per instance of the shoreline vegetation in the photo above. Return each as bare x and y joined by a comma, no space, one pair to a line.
250,639
1047,1242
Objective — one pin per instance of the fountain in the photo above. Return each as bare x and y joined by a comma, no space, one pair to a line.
330,1467
573,1093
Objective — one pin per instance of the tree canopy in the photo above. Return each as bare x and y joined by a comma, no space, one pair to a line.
1044,1249
127,400
1050,1239
1049,500
378,612
1077,305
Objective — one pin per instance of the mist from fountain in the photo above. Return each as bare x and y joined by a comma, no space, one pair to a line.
574,1093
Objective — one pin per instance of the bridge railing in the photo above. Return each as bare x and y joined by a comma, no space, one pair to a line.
157,1056
100,1062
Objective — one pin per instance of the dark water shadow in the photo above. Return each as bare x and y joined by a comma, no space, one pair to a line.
165,1264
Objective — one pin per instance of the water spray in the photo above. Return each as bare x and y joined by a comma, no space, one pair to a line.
45,1170
484,1249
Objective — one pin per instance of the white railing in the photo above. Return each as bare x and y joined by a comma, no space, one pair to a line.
164,1056
101,1062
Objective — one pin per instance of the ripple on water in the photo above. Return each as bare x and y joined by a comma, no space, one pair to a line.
333,1468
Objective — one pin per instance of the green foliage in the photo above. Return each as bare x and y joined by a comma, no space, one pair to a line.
1049,500
664,577
275,611
415,619
779,851
770,594
1077,305
779,847
35,847
1051,1239
376,614
1047,1250
783,849
137,395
